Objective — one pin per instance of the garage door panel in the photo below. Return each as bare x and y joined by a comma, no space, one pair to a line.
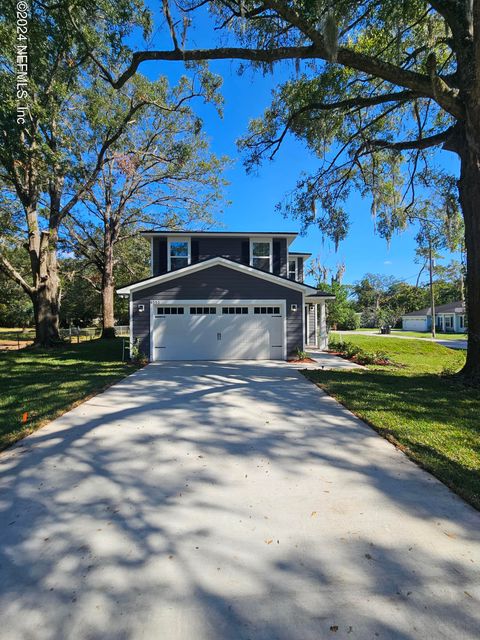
216,336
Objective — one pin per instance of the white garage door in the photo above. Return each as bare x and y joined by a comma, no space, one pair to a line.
414,324
205,331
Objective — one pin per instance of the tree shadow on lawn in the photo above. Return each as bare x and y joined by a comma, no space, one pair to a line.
154,510
433,418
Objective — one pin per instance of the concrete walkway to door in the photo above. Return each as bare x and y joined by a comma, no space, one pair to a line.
228,501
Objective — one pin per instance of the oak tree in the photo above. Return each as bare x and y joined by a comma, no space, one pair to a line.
377,86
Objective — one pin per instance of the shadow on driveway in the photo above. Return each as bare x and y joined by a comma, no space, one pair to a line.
228,501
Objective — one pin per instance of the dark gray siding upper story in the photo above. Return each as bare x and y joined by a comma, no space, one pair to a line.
300,268
217,282
203,248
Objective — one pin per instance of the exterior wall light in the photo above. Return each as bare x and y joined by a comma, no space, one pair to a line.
141,307
293,307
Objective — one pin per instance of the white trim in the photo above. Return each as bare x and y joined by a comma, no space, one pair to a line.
130,309
303,322
151,256
221,234
226,301
315,312
236,266
307,309
295,260
186,239
151,331
263,240
246,302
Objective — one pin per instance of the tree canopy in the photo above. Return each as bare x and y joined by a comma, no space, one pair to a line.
376,88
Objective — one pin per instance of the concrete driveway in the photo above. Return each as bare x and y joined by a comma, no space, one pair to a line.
228,501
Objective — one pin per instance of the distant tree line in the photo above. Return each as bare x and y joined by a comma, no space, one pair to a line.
91,165
376,300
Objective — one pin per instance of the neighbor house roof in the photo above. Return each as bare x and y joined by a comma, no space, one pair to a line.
450,307
232,264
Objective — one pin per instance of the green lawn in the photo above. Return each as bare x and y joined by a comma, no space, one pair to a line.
439,336
419,334
432,417
46,383
16,334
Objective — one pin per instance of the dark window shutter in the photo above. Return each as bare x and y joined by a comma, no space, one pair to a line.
245,252
276,249
195,251
162,256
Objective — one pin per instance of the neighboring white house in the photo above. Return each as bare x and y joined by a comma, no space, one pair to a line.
449,318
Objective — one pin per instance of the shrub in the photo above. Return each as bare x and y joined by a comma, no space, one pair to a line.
354,352
350,321
301,355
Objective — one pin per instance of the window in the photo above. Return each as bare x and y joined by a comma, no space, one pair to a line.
273,311
261,254
234,310
202,311
448,322
292,269
178,253
169,311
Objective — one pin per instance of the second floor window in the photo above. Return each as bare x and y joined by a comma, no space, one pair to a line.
261,254
178,253
292,269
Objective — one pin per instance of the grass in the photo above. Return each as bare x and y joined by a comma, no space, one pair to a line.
17,334
432,417
418,334
46,383
428,335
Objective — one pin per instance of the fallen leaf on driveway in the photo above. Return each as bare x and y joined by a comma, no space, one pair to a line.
269,541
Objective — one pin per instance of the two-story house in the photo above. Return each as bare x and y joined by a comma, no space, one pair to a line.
225,296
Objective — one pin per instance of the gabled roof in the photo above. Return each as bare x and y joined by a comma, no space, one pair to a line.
449,307
218,261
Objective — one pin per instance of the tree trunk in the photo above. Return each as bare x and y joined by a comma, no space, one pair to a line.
108,293
469,189
46,297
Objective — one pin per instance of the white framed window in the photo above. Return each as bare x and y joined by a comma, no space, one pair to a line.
261,253
179,253
448,322
292,269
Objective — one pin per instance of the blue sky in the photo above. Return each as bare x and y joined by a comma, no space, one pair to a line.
253,197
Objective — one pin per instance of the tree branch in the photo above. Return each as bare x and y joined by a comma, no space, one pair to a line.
404,145
412,80
10,271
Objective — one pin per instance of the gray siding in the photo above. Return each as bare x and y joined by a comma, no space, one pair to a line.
159,256
212,247
300,269
217,282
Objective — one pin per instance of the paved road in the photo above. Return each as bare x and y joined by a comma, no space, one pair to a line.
452,344
228,501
